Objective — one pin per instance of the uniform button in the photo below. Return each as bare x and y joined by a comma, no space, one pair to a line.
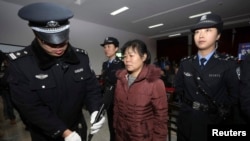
79,125
197,92
56,134
198,78
81,78
43,86
57,64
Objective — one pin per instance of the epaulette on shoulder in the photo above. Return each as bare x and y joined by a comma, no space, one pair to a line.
186,58
226,57
78,50
18,54
116,60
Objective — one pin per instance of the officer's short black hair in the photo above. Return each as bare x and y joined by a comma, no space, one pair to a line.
141,48
49,21
207,21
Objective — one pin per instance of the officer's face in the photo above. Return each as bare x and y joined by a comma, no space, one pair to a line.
206,38
110,50
52,49
133,61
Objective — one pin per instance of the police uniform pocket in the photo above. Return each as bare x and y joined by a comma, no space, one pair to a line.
80,75
42,81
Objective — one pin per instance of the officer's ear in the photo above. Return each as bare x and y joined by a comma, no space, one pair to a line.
218,37
116,49
218,34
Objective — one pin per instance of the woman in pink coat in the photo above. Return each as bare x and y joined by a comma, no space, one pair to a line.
140,106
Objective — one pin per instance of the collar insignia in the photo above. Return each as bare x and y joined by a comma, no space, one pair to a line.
41,76
214,75
78,70
187,74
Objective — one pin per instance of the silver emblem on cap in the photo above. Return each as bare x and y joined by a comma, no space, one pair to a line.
52,24
204,17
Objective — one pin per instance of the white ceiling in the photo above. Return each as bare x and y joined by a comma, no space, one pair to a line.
143,13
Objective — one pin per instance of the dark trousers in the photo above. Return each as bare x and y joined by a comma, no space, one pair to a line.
8,105
110,122
38,135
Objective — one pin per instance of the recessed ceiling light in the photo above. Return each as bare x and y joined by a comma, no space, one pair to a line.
173,35
78,2
199,15
156,25
119,11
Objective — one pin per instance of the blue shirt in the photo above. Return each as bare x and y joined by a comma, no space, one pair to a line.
207,57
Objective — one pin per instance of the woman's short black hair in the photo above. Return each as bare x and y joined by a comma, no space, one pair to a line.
141,48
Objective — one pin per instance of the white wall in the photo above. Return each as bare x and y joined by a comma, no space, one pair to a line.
85,35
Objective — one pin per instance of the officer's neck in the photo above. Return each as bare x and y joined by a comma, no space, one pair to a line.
205,52
111,58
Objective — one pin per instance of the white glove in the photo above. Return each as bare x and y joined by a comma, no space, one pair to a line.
97,126
73,137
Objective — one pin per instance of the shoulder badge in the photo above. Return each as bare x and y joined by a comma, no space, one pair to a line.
81,51
188,58
225,57
116,61
18,54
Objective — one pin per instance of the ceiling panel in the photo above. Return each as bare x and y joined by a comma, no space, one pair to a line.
143,13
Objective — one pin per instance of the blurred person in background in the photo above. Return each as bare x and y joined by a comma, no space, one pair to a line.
109,68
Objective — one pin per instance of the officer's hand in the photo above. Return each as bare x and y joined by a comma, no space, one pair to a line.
73,137
96,126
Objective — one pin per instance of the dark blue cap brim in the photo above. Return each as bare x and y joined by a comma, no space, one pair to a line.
115,44
207,25
53,38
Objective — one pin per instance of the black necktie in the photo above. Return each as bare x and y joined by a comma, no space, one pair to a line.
109,63
203,60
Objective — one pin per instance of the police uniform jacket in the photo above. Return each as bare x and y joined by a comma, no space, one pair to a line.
109,70
218,79
50,92
245,87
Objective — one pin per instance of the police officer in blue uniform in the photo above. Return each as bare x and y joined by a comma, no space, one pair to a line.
207,81
108,76
51,81
245,87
